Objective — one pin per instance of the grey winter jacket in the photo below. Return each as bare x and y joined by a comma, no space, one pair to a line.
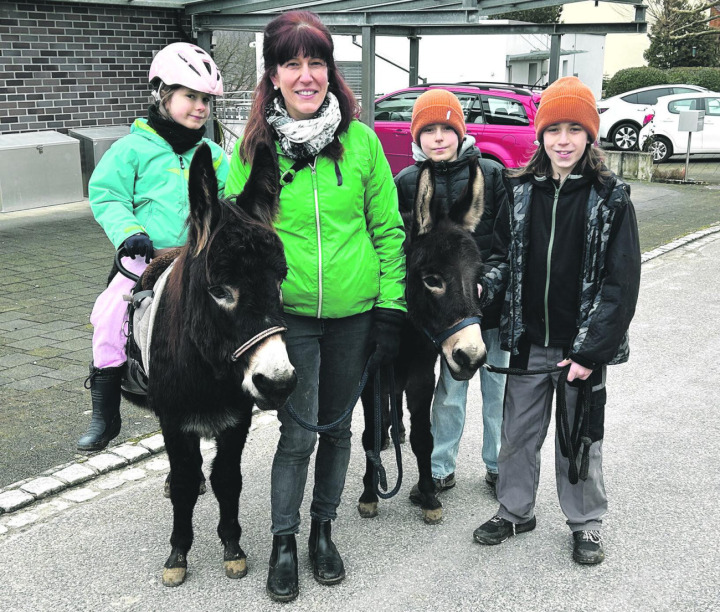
610,277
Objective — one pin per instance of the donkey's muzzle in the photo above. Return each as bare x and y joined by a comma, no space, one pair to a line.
274,391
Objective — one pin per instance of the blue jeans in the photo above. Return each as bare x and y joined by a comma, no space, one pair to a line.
448,410
329,356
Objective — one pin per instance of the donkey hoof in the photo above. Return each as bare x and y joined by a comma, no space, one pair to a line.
368,509
237,568
174,576
432,517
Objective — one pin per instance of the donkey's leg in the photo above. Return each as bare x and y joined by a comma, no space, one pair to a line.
226,481
368,502
183,451
419,391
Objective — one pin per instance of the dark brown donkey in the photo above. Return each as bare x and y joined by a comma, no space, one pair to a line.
443,266
217,347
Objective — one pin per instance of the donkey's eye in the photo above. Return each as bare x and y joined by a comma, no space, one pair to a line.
432,281
225,296
220,293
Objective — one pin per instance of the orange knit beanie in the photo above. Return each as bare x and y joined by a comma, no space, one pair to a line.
568,99
437,106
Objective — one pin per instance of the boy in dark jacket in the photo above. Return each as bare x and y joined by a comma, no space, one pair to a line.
566,256
439,134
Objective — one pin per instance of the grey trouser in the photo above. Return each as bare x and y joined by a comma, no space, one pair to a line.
526,417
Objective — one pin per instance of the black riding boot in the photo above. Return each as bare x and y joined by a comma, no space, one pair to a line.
282,582
327,565
106,422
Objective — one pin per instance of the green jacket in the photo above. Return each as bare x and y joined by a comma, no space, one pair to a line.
341,229
141,185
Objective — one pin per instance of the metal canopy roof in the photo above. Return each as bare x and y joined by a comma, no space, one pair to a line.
371,18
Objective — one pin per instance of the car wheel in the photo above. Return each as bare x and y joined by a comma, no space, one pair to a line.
625,137
661,149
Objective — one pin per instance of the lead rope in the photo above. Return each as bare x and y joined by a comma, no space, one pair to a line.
569,444
373,455
322,428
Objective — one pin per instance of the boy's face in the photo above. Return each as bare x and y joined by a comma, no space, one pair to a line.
564,144
439,142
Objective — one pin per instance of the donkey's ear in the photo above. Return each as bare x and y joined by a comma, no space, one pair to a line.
423,221
260,196
204,206
469,207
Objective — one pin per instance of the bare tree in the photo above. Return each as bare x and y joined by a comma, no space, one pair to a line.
234,53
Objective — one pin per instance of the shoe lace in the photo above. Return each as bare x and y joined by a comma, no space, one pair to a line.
592,535
496,519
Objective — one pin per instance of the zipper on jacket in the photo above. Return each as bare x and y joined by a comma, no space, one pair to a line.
182,163
549,262
313,165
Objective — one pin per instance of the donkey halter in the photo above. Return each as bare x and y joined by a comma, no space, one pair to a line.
255,340
438,339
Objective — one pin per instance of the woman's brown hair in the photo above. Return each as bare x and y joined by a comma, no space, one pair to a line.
295,34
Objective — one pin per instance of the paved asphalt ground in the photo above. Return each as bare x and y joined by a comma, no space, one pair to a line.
101,544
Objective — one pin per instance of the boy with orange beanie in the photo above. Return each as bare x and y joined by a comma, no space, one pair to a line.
438,130
566,258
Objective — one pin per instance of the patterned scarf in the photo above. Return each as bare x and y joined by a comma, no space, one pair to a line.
306,137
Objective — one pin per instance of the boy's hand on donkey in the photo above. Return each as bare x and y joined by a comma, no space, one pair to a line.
385,337
139,244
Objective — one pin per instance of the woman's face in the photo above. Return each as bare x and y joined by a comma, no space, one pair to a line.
303,83
188,107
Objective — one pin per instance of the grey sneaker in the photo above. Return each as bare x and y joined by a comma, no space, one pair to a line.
443,484
588,547
498,529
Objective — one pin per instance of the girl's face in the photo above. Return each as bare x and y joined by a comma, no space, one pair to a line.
303,83
188,107
564,144
439,142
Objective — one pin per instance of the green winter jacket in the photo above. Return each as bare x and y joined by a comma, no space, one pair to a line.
341,229
141,185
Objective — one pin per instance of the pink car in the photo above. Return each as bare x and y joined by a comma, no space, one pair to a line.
500,116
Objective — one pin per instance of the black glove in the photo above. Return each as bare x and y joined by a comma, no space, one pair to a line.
139,244
385,337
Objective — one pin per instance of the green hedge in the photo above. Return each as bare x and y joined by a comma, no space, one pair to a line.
632,78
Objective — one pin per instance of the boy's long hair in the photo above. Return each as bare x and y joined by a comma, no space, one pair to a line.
591,162
295,33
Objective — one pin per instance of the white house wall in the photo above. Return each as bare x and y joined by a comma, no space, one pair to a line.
621,50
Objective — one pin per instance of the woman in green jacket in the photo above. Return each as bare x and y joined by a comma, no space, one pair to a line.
139,195
344,293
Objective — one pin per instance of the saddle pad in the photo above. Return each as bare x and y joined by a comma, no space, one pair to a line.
144,317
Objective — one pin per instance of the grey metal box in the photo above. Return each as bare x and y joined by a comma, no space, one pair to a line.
38,169
94,143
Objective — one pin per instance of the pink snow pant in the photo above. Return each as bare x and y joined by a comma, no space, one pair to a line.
109,317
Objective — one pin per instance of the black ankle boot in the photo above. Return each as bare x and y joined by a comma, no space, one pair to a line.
282,582
106,422
327,565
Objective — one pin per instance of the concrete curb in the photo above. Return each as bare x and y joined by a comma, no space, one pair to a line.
62,481
27,501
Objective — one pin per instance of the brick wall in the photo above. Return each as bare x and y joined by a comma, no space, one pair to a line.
65,66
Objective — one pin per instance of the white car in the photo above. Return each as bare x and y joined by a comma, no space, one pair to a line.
662,125
621,116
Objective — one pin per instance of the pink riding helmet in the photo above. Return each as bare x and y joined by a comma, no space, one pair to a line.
187,65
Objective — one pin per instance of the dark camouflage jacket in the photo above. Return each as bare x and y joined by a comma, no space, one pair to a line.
610,271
